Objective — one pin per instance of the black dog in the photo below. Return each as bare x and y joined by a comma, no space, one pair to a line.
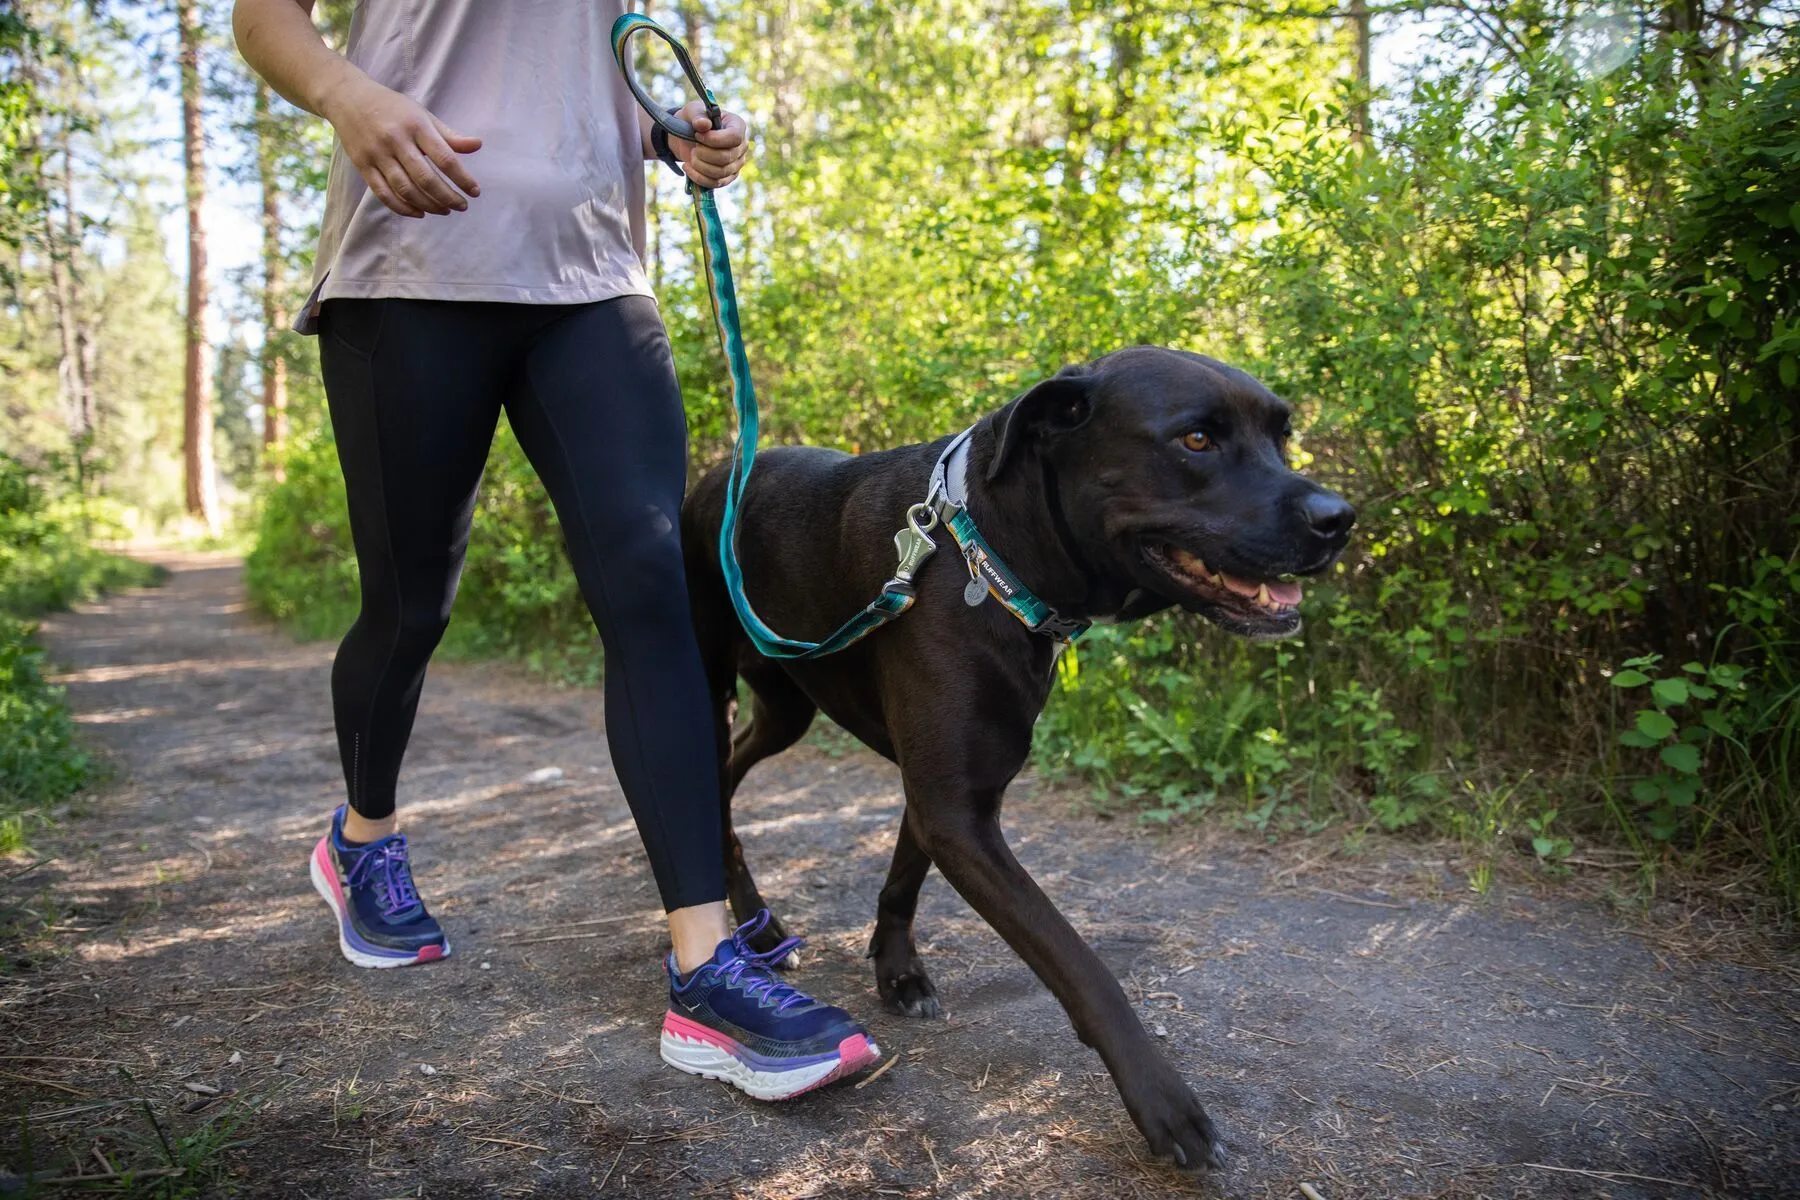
1147,478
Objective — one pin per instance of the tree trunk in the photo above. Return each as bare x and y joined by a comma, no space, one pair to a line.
275,317
196,428
84,334
1359,104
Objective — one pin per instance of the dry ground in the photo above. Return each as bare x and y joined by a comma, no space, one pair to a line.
1366,1029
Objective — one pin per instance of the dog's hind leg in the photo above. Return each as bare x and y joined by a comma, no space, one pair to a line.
780,714
899,975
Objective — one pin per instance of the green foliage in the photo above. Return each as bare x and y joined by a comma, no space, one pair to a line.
1541,326
40,762
46,562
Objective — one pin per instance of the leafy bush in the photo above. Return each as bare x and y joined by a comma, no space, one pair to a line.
40,761
46,562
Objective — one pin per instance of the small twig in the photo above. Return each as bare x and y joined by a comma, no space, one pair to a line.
1614,1175
559,1095
931,1154
877,1073
601,1186
10,876
1360,900
148,1173
47,1083
561,937
510,1142
1310,1192
1264,1036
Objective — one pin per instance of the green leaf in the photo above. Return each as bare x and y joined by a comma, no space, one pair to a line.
1655,725
1647,791
1633,738
1670,692
1682,757
1630,679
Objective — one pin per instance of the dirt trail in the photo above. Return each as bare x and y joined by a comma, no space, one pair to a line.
1419,1041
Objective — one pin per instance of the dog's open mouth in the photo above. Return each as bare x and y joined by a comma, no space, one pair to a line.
1252,606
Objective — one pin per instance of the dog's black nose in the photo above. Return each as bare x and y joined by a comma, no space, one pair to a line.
1330,515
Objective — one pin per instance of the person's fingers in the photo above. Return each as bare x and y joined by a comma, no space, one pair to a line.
385,194
401,184
425,177
732,132
721,155
443,146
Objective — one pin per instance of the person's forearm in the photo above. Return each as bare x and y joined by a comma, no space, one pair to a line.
644,127
278,40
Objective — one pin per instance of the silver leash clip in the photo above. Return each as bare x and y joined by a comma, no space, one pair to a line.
914,544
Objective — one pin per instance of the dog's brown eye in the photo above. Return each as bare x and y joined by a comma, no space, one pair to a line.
1198,442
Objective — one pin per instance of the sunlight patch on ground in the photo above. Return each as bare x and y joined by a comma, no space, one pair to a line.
118,716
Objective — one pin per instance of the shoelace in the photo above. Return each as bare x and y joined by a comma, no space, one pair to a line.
385,863
754,972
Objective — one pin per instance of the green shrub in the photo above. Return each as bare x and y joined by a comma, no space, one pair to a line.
40,760
46,562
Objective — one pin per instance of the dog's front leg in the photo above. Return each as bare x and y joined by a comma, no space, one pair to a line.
900,977
961,833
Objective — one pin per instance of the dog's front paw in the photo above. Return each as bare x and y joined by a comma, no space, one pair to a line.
909,993
1173,1121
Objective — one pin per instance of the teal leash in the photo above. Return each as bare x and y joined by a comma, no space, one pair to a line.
913,544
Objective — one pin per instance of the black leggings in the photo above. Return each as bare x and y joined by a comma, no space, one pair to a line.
415,389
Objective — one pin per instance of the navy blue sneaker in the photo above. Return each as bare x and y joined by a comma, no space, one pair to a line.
734,1019
381,920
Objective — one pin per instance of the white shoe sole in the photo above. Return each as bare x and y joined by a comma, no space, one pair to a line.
697,1057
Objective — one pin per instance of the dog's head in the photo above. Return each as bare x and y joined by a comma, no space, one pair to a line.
1171,472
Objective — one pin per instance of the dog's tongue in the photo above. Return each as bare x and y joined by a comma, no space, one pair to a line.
1283,592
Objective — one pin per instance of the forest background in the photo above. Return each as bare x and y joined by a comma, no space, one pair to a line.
1528,271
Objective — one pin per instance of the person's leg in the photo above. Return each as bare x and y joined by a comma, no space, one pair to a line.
414,389
599,414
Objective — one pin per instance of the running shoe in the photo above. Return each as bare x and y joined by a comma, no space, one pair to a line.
381,920
734,1019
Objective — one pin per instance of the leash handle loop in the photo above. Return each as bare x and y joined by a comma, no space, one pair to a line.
627,27
913,544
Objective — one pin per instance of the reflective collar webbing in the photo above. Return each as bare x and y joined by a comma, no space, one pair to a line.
949,495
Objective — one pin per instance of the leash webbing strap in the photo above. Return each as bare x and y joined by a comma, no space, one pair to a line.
897,594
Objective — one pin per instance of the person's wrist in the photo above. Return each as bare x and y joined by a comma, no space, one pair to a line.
338,94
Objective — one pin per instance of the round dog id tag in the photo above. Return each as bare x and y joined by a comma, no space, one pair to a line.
974,592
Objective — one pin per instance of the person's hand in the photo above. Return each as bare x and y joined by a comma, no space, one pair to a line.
716,158
408,157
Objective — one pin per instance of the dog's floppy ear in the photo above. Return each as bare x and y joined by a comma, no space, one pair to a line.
1058,404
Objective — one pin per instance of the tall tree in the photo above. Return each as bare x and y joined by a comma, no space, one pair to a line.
197,422
274,306
1359,110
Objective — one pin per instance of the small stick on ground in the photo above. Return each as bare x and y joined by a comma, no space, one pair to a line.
878,1072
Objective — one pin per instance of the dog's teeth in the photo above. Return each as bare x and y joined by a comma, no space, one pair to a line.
1262,595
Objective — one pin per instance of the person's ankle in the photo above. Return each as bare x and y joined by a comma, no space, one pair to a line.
696,932
359,830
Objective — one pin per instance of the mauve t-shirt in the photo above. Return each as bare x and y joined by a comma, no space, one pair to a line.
560,218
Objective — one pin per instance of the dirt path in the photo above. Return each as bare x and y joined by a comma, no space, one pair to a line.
1415,1042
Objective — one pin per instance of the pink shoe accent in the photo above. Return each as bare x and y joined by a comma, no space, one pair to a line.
328,868
855,1053
430,954
680,1026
